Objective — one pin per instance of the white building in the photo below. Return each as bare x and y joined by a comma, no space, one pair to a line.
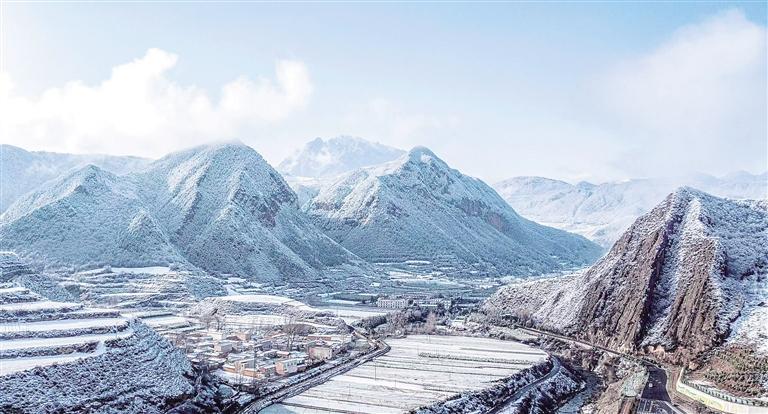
398,303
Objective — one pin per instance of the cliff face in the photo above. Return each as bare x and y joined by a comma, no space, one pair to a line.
682,279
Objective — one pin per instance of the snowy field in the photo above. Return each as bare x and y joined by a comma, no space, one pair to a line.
419,370
352,313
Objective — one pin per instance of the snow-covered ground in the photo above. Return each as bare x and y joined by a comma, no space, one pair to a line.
419,370
26,343
62,324
62,357
266,299
43,305
50,331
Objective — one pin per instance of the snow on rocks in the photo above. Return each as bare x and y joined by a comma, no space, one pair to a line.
688,276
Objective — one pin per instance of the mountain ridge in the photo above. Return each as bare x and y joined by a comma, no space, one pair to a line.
22,171
429,211
330,157
183,207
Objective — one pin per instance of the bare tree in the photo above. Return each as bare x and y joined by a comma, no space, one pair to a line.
397,321
220,319
181,340
293,328
206,319
431,323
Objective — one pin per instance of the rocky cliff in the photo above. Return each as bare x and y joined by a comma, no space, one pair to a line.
688,276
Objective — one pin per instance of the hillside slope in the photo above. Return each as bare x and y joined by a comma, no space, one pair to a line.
418,208
688,276
60,357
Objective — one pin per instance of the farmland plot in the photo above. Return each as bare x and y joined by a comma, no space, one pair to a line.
419,370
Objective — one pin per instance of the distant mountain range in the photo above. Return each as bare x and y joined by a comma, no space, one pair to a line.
687,276
222,208
22,170
418,208
601,212
219,207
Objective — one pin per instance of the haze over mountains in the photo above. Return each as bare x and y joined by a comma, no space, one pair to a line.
601,212
688,276
330,157
418,208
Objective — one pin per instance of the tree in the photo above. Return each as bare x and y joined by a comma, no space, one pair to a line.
220,320
431,323
291,330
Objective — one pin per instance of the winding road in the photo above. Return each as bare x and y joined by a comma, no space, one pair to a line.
507,406
654,398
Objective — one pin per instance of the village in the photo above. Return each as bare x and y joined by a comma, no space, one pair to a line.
254,350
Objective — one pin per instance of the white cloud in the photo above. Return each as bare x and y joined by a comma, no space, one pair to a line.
139,110
703,91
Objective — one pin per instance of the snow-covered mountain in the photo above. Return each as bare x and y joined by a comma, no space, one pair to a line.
602,212
689,275
418,208
219,207
334,156
22,171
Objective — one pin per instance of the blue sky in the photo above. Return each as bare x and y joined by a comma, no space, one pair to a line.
597,91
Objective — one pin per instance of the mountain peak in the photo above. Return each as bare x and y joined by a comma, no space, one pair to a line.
422,154
334,156
418,200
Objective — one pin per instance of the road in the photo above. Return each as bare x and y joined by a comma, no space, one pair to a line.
556,367
281,394
656,387
655,398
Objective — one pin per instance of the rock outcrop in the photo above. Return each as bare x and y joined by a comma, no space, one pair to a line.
686,277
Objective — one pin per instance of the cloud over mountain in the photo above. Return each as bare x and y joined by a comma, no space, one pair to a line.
141,110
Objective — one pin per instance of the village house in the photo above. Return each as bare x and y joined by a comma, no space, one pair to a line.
223,347
320,352
288,366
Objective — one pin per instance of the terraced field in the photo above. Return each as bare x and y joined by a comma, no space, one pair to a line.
419,370
36,332
154,286
64,357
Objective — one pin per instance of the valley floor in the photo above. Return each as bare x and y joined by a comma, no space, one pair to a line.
419,370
